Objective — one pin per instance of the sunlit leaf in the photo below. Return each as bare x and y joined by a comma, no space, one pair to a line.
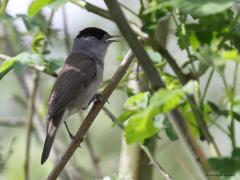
37,42
138,101
230,55
140,126
166,100
36,6
123,117
6,67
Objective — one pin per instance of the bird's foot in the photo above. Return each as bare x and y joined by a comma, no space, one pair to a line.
95,98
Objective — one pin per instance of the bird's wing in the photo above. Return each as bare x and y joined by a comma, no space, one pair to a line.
75,76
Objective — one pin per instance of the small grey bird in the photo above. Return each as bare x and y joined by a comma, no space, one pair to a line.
78,81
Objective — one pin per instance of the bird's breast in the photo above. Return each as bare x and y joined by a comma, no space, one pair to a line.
83,99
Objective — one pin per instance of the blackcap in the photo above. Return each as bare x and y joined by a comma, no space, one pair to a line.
78,81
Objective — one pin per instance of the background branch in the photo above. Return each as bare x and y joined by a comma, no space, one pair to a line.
30,124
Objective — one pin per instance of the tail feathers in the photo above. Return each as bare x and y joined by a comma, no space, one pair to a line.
47,146
52,127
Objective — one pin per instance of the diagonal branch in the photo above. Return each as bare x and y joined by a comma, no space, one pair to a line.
143,58
92,8
91,116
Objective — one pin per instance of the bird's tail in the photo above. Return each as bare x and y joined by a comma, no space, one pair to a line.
52,127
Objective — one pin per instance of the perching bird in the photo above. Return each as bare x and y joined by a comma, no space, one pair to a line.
78,81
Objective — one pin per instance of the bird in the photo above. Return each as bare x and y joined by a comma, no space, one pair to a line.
78,81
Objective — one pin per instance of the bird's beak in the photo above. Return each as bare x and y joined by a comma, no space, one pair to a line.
110,40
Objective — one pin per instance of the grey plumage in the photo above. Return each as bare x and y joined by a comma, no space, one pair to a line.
77,82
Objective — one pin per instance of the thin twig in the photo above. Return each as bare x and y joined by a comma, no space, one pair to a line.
128,9
94,158
12,122
92,8
30,125
66,34
155,163
92,153
162,171
91,116
207,85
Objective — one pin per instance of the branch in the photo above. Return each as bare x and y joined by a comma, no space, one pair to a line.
30,124
92,8
143,58
155,163
94,158
91,116
67,40
12,122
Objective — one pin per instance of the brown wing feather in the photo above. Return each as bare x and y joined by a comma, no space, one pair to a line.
75,76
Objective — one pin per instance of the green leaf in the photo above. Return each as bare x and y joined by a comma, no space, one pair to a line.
236,153
166,100
37,45
225,165
36,6
6,67
170,132
202,7
230,55
140,126
161,122
224,112
136,102
123,117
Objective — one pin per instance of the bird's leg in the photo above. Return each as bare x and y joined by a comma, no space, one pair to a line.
69,132
95,98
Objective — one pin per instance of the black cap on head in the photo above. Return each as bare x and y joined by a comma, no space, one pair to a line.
92,31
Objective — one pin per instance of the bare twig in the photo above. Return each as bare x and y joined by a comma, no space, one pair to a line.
12,122
30,125
66,34
155,163
91,116
94,158
92,8
162,171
